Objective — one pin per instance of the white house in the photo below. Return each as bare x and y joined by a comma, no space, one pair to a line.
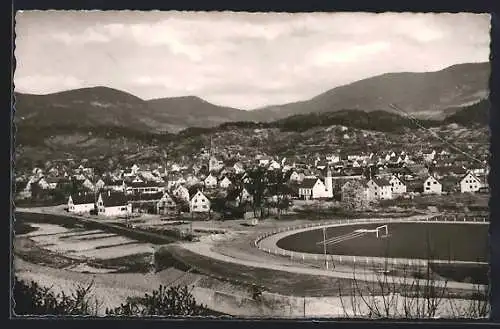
295,177
166,204
42,182
239,168
199,203
115,185
397,185
379,188
175,167
135,169
225,183
113,204
470,183
314,188
333,158
88,184
428,157
264,161
274,165
100,184
432,186
81,203
144,188
210,181
245,196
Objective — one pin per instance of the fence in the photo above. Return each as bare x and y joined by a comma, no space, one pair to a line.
273,249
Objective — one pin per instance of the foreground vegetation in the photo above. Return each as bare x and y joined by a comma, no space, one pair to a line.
33,299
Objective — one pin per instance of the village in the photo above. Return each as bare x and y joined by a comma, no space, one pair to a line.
234,188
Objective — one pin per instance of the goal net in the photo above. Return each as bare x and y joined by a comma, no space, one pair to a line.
380,231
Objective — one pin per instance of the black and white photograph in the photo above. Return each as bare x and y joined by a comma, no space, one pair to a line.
251,165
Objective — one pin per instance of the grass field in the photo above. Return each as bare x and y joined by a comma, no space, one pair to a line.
465,242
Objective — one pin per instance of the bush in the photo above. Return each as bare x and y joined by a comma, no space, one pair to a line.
173,301
32,299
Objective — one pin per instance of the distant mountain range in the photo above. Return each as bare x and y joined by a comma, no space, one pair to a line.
426,95
431,96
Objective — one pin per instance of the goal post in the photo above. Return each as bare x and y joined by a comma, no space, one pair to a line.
383,228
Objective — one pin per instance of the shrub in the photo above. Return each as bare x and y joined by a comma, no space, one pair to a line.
32,299
173,301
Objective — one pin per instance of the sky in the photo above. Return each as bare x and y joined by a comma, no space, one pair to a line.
242,60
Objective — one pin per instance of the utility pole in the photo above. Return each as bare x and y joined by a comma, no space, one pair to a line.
304,306
324,247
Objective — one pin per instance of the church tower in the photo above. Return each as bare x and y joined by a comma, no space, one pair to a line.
329,183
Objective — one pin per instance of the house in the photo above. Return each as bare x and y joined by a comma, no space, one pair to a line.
43,184
134,169
146,202
332,158
210,181
81,203
175,167
182,193
52,183
470,183
432,186
314,188
100,184
274,165
191,180
245,196
166,205
87,183
214,164
174,180
429,157
296,177
24,190
398,187
113,204
379,189
144,188
225,183
136,179
115,185
239,168
308,185
199,203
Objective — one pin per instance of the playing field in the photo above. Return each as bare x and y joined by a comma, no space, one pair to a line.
454,241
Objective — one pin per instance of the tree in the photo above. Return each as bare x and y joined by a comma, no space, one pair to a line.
256,186
278,189
165,301
353,195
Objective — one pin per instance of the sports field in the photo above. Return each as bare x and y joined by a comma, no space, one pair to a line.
445,241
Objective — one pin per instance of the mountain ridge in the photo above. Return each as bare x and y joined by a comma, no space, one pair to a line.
427,95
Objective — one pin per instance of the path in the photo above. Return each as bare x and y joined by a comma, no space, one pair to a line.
205,250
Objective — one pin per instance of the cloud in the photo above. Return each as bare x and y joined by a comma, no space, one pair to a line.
89,35
243,60
348,54
46,83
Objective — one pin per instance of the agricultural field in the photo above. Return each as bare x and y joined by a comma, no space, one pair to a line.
79,249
